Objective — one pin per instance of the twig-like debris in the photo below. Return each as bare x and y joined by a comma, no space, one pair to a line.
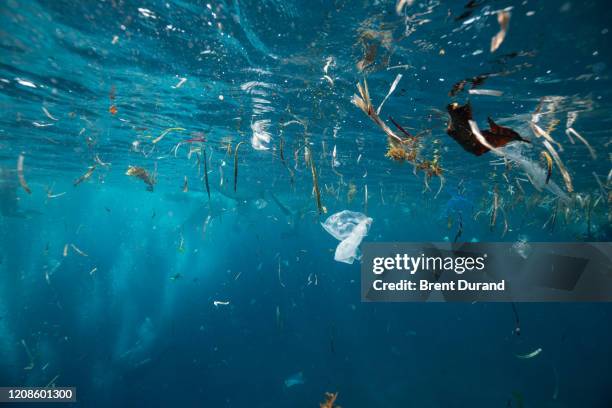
459,229
85,176
400,128
280,281
206,173
494,208
571,131
503,18
315,184
364,103
539,132
282,157
22,180
517,322
236,165
566,176
30,356
549,164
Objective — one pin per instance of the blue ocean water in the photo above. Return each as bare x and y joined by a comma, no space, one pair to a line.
121,275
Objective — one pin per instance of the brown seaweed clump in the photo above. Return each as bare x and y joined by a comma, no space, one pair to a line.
330,400
460,130
142,174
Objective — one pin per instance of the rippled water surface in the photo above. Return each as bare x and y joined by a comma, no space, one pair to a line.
160,230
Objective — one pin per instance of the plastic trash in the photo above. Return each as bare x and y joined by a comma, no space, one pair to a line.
295,379
349,227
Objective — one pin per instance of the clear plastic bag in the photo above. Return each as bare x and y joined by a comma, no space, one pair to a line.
349,227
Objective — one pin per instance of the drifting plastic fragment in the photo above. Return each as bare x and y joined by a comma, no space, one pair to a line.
165,132
22,181
78,251
391,89
529,355
363,102
218,303
47,114
180,83
261,137
400,5
487,92
295,379
349,227
30,357
503,18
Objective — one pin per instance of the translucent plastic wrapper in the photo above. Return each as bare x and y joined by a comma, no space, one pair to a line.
349,227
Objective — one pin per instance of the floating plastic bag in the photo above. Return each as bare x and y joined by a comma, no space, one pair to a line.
349,227
295,379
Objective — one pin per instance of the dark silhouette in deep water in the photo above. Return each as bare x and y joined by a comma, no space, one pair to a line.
460,130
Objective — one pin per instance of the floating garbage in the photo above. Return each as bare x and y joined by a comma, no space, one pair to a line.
330,398
142,174
460,130
529,355
22,180
503,18
295,379
349,227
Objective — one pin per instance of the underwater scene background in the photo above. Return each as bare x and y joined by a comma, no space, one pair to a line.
165,167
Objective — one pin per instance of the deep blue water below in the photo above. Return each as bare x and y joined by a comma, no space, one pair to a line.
160,234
